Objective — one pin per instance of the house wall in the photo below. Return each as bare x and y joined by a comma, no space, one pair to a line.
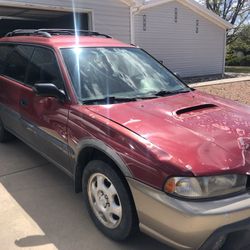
110,16
177,44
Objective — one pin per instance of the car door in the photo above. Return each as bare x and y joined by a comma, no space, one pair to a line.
14,60
45,119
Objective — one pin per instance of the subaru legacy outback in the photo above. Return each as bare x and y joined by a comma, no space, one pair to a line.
147,151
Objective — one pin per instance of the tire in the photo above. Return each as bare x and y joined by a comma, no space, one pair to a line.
4,134
109,201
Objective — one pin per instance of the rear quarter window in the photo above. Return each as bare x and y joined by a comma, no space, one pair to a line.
17,63
5,51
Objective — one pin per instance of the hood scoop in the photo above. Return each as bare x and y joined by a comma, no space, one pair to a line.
202,108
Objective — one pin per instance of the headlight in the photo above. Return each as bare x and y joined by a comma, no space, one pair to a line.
205,187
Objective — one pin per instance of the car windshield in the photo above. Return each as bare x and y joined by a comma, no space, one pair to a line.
118,73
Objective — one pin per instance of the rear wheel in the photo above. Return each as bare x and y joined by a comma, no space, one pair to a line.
4,134
108,201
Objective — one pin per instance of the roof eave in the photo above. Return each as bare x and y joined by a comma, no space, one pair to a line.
196,7
207,13
128,2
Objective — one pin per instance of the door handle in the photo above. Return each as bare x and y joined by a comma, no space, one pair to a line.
24,103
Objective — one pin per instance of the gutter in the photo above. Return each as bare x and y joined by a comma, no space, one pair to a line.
132,29
134,10
225,53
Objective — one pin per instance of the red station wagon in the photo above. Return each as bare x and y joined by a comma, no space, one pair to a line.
147,151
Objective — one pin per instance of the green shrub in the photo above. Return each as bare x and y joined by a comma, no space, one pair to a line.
245,61
238,61
233,61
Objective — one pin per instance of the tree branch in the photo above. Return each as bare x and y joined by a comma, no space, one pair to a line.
234,11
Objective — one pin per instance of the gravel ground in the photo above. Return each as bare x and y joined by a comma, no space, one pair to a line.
239,91
227,75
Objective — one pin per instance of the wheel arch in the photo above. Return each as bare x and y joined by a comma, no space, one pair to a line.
92,149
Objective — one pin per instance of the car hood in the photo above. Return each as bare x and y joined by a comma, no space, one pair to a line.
201,133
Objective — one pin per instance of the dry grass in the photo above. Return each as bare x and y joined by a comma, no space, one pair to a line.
239,91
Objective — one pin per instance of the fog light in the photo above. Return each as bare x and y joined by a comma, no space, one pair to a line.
219,242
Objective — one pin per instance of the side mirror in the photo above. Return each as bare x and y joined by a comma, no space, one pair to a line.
49,90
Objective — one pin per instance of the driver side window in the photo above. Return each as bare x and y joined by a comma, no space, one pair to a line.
43,68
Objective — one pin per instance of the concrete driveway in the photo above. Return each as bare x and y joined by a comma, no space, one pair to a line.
39,209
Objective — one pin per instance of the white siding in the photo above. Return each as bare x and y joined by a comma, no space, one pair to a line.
110,16
177,44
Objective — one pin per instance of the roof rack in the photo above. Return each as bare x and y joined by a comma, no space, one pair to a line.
48,33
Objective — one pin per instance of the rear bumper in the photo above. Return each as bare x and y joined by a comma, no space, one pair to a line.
188,225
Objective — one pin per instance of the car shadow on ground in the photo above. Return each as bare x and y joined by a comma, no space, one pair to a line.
45,198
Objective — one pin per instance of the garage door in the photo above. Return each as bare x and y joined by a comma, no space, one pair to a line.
20,18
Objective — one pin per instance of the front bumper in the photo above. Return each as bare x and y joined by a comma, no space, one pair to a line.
187,224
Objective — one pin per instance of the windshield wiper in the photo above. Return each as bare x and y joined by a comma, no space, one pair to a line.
120,99
108,100
145,97
162,93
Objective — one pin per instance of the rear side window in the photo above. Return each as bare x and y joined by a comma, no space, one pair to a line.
44,68
18,62
5,51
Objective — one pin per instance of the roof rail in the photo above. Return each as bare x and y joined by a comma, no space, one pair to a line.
48,33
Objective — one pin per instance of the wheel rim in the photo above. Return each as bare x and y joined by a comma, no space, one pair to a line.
104,200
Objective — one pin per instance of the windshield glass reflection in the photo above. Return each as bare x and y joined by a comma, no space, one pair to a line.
118,72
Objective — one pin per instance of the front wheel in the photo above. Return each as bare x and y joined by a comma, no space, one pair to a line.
108,201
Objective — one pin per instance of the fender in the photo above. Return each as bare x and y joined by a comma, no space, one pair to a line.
102,147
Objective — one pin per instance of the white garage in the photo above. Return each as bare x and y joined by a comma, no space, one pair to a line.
185,36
